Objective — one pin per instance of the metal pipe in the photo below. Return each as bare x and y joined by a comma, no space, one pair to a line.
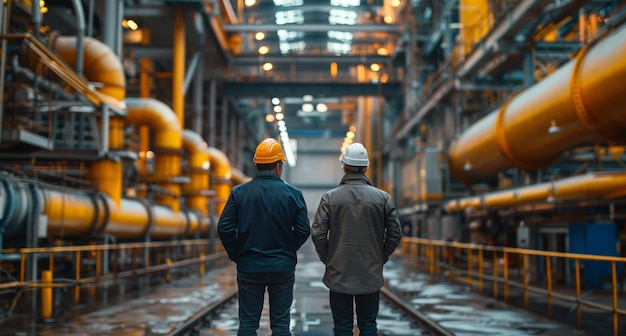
580,103
178,67
592,185
198,170
5,13
80,35
167,143
222,177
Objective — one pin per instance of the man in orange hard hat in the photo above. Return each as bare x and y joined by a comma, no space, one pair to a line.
262,226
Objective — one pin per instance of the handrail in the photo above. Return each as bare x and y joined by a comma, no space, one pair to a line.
138,258
438,254
63,70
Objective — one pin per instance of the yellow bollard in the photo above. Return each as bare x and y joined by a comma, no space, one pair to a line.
201,265
168,275
46,295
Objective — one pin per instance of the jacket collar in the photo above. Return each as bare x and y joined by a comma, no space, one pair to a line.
354,178
267,175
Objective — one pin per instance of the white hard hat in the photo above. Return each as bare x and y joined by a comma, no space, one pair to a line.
355,155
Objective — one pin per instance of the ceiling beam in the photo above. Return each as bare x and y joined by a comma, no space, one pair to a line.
311,28
299,89
307,60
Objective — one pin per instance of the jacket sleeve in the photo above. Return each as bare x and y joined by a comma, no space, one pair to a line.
320,228
302,228
393,230
227,228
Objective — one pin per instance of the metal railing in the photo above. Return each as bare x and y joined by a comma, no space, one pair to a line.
98,263
478,264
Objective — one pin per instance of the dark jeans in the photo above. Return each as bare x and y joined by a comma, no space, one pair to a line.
251,295
343,313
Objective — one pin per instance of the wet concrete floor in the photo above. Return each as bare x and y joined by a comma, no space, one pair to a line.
156,309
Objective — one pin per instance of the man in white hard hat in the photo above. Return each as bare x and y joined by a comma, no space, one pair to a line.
355,230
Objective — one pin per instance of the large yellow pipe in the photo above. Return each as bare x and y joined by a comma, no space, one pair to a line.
71,214
196,191
167,144
589,186
584,97
220,165
101,65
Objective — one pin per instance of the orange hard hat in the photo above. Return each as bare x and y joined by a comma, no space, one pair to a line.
268,151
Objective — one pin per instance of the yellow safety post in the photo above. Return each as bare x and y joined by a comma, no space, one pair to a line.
201,265
549,284
46,295
168,274
78,268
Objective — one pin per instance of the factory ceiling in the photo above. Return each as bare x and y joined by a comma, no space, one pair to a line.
324,49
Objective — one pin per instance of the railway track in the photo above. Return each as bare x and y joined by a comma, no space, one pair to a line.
411,321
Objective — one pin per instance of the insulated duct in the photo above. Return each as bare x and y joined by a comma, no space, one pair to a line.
580,103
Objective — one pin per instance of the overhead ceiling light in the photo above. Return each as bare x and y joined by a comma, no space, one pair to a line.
259,36
375,66
345,3
382,51
268,66
307,107
264,50
288,3
278,109
342,17
275,100
250,3
307,98
321,107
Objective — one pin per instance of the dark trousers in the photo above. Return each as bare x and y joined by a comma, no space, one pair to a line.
343,313
251,295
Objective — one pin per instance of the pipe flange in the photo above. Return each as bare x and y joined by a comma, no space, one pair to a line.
500,135
575,91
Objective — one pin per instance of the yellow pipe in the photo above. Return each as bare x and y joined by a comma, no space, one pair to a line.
593,185
584,98
238,177
167,223
474,22
72,214
167,144
130,219
100,64
107,176
46,295
198,171
220,165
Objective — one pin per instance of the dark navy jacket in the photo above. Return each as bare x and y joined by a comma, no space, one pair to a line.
263,224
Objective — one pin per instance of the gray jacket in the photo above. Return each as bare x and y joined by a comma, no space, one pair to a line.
355,230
